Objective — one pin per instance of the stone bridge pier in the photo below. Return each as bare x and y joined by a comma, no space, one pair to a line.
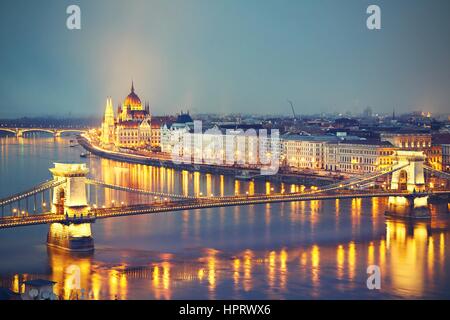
411,178
70,200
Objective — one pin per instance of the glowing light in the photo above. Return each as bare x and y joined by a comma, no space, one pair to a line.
201,274
340,258
236,267
351,259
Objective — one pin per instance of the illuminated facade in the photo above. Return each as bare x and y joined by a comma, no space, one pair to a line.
131,128
434,157
155,134
108,124
359,157
218,145
446,157
408,141
172,135
329,153
305,152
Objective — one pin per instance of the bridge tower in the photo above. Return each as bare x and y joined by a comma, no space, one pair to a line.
410,178
412,175
69,199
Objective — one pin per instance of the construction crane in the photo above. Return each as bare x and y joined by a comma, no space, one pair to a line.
293,111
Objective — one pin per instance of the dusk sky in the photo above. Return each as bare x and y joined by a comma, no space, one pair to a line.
220,56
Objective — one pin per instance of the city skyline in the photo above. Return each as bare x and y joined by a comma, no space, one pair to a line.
216,57
226,155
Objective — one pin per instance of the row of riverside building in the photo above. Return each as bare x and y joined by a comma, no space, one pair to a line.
339,153
134,127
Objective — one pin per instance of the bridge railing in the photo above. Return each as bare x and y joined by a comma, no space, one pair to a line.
442,174
35,190
136,190
362,181
19,131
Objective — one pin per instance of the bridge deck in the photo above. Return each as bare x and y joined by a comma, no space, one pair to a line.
191,204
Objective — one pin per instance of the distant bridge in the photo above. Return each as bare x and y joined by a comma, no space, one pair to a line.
19,132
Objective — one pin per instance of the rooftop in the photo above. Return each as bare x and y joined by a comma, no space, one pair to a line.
367,142
297,137
443,138
184,118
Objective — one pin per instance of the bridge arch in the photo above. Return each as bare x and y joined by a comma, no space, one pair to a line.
403,180
20,132
59,132
59,200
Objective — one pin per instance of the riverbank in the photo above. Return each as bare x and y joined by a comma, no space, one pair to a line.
306,179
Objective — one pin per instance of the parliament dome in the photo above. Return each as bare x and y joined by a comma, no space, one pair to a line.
132,101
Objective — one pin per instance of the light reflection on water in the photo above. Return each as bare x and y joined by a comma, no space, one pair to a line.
317,249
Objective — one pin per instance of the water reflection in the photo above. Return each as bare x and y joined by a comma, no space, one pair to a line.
318,249
409,256
409,263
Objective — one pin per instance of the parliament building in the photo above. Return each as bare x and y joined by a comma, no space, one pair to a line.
131,128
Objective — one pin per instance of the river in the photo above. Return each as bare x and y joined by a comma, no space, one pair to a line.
302,250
